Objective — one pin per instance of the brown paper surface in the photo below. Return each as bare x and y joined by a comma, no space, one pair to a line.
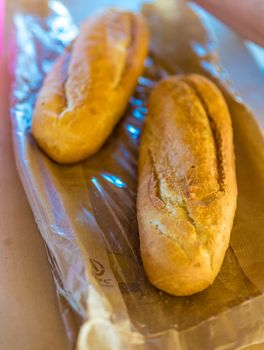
27,291
86,212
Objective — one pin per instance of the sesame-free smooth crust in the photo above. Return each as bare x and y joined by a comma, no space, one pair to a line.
86,92
187,189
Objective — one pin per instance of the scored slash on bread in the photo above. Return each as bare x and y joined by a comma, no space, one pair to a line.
187,189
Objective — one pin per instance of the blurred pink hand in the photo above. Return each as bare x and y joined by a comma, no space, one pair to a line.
244,16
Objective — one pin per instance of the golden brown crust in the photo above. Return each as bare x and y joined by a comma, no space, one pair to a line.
87,90
187,187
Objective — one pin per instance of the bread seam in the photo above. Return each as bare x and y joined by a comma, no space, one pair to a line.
169,236
156,181
165,202
67,63
65,68
115,84
218,152
130,46
216,137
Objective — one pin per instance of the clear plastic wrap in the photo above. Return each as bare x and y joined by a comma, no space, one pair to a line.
86,212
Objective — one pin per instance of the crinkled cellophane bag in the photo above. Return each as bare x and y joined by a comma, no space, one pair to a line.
86,212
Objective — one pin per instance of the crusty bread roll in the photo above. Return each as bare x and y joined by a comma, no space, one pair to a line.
87,90
187,189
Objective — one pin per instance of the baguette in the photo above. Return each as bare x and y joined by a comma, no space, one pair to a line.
187,189
87,90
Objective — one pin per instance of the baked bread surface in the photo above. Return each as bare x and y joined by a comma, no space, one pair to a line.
187,189
87,90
